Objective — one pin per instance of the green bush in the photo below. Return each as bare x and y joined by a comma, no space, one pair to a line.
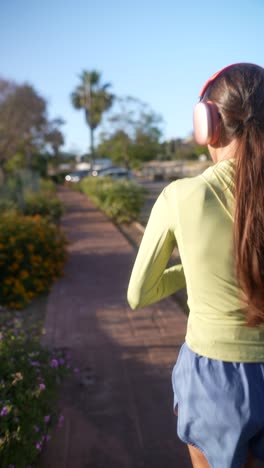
26,192
32,256
42,204
121,201
96,188
29,381
6,204
124,201
47,185
16,183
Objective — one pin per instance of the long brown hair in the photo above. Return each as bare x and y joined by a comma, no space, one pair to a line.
239,95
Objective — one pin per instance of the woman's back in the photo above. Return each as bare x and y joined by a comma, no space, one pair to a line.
196,214
204,229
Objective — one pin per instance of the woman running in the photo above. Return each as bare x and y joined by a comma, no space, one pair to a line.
217,222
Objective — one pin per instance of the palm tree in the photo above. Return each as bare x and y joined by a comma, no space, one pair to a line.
94,98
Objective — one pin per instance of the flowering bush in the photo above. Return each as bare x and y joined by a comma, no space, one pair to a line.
29,383
121,201
32,256
43,204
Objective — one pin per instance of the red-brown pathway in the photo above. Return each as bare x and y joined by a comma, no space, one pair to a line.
118,407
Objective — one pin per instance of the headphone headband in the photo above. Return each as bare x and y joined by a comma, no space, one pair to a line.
210,80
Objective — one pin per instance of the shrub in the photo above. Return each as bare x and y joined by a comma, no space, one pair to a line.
47,185
43,205
26,192
122,201
6,204
32,255
17,183
29,383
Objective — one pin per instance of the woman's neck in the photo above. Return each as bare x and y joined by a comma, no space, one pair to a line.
220,153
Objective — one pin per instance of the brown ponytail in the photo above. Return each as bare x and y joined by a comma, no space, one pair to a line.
239,95
249,221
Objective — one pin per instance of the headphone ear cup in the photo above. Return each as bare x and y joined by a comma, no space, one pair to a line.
206,123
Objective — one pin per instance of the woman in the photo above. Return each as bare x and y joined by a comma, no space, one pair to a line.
217,221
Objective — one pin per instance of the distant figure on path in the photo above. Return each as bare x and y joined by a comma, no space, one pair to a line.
217,221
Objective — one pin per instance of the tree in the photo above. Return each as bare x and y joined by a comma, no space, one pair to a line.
117,147
133,133
24,124
184,149
55,137
94,98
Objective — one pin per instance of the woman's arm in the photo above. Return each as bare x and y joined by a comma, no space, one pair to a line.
150,279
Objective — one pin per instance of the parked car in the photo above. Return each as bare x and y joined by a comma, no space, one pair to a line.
114,172
76,176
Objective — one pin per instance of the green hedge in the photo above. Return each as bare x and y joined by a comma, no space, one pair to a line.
121,201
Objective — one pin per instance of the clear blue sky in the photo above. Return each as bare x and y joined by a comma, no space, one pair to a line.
160,51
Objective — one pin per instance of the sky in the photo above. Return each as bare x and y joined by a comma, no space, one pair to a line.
159,51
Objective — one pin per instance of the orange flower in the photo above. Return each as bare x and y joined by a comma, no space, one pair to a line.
23,274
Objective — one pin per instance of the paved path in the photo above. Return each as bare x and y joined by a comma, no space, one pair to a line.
118,409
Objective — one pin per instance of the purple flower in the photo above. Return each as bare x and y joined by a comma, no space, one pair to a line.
47,418
36,428
4,411
38,446
76,370
48,437
42,386
11,466
61,421
35,363
54,363
1,336
61,361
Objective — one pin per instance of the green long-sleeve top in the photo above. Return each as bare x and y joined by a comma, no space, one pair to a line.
197,215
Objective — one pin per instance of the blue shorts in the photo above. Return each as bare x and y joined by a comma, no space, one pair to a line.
220,407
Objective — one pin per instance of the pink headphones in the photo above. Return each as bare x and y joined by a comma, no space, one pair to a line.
206,118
